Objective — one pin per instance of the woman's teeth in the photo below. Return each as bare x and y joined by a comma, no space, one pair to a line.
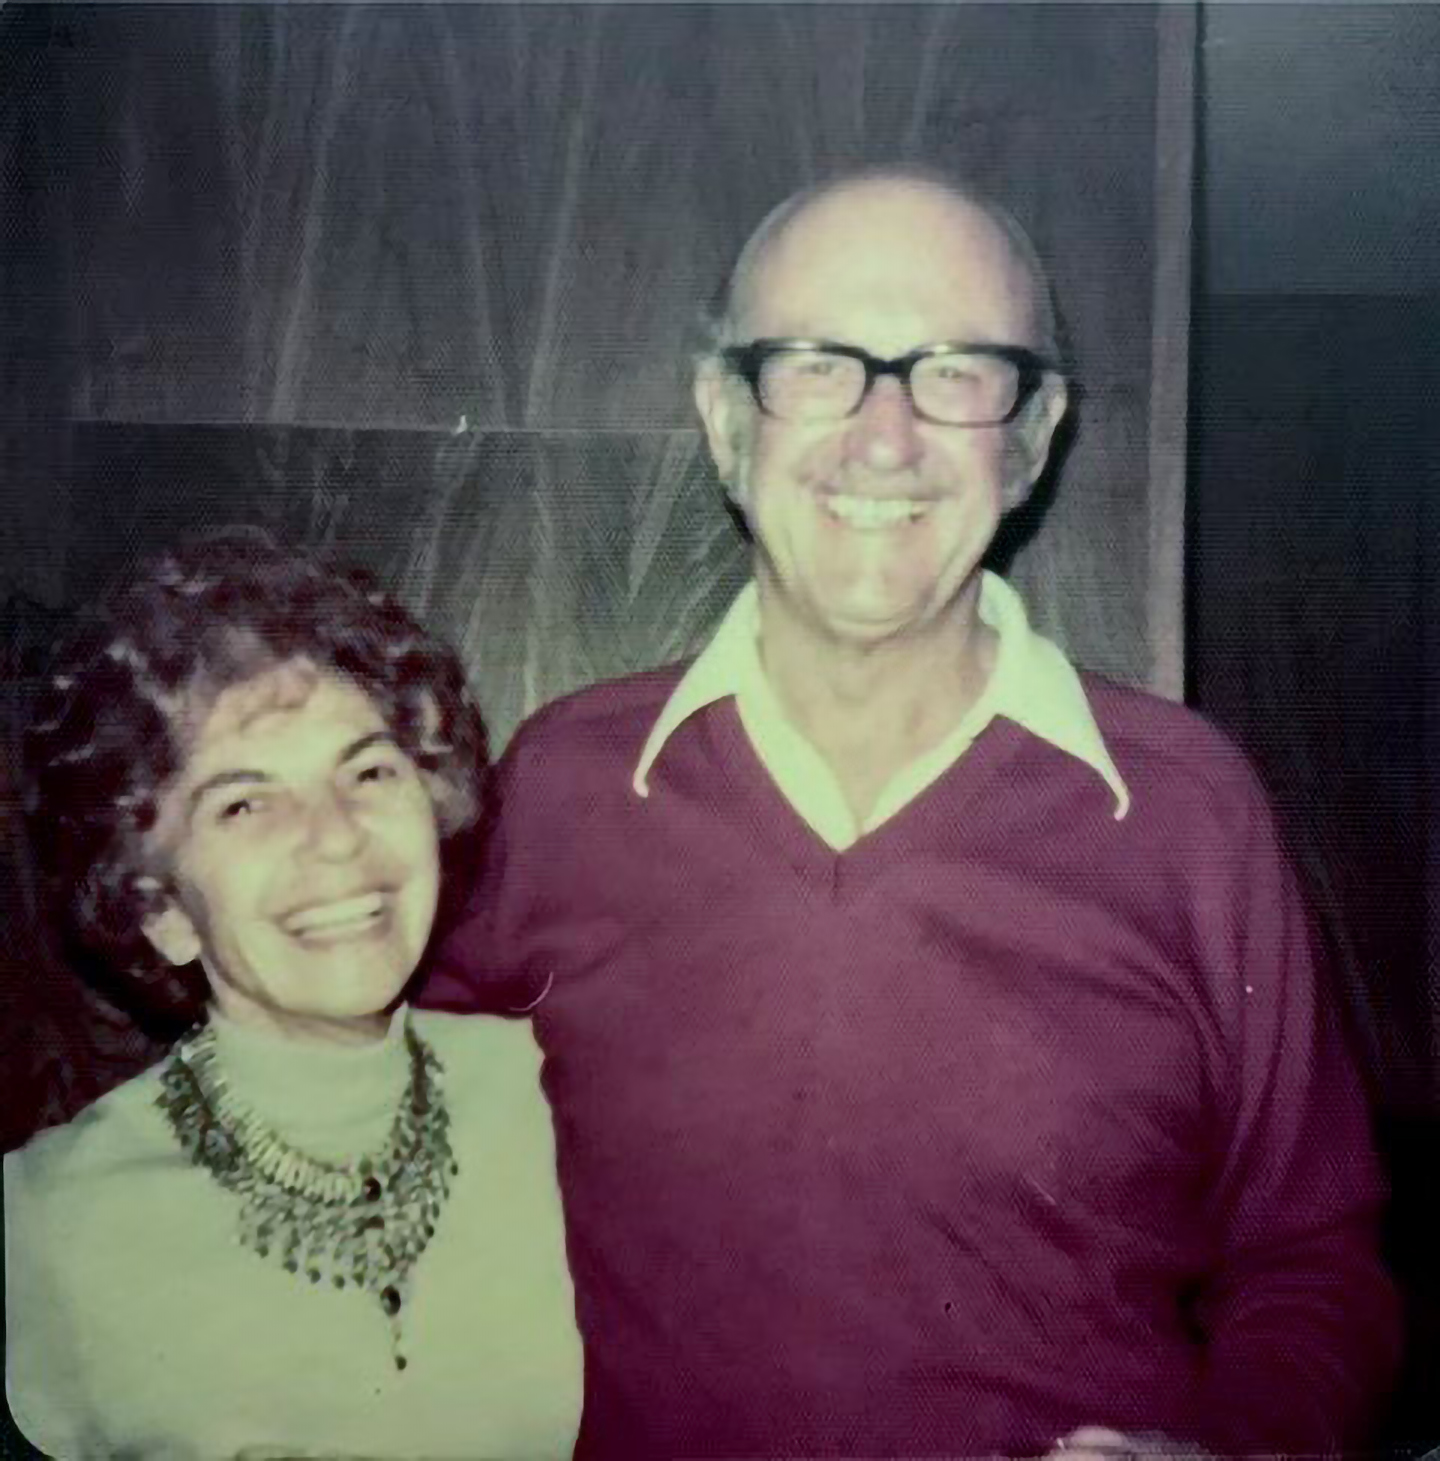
349,915
873,512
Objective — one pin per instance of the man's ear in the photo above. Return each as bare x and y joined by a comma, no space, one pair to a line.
1031,438
715,400
172,934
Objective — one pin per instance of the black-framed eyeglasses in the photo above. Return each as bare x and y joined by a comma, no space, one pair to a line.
953,383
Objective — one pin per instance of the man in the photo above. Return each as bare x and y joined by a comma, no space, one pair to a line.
937,1060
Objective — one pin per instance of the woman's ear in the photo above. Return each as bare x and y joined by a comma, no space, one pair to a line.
170,930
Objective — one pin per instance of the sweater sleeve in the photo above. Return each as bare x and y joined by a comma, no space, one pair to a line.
44,1380
1302,1322
481,965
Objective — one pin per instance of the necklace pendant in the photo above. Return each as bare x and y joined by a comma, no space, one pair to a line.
362,1224
392,1315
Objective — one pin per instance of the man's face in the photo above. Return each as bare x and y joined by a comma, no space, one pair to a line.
871,528
300,844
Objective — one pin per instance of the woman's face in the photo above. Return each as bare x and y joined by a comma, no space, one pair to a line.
300,847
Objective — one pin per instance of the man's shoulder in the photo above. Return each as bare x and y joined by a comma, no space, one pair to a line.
611,716
1167,750
1151,721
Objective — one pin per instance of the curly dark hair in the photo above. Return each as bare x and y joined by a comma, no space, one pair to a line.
107,733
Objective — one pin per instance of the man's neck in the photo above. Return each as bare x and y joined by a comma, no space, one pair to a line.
871,708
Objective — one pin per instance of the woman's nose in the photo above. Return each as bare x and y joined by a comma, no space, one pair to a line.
335,831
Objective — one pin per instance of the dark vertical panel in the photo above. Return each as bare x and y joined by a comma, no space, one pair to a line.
1416,1144
1312,487
34,523
1313,640
33,508
1429,477
1175,121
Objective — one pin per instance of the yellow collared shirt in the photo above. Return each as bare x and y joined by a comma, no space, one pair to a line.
1032,684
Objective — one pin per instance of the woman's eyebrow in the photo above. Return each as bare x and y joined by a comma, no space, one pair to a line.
224,778
239,776
363,743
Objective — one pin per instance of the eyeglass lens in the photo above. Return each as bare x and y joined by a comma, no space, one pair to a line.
957,387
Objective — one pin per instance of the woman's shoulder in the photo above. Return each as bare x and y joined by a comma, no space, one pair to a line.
113,1133
508,1043
490,1065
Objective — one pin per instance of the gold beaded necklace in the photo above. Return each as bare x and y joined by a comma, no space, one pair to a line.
362,1223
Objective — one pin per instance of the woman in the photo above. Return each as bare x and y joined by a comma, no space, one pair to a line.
323,1224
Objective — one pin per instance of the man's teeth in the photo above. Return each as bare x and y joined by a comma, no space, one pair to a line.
347,913
873,512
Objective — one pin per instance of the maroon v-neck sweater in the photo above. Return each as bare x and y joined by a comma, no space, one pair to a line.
1012,1118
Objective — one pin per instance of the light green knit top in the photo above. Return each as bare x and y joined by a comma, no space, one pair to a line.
138,1324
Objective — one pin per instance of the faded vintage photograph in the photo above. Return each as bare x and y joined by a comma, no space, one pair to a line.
719,730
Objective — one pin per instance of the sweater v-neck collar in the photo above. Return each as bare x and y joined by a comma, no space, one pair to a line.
744,783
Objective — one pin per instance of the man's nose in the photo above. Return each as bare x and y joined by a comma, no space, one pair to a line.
883,434
334,830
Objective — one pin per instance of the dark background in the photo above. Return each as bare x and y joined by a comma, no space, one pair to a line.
417,283
1314,550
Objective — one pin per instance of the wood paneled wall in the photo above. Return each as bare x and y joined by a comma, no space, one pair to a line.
504,219
420,283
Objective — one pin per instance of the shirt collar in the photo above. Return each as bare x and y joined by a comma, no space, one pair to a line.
1032,684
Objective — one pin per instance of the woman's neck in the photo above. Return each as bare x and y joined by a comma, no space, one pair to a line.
331,1099
306,1028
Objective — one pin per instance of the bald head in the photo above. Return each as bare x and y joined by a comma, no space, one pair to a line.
889,264
903,219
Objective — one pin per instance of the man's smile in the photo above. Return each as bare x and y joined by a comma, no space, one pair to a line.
869,514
